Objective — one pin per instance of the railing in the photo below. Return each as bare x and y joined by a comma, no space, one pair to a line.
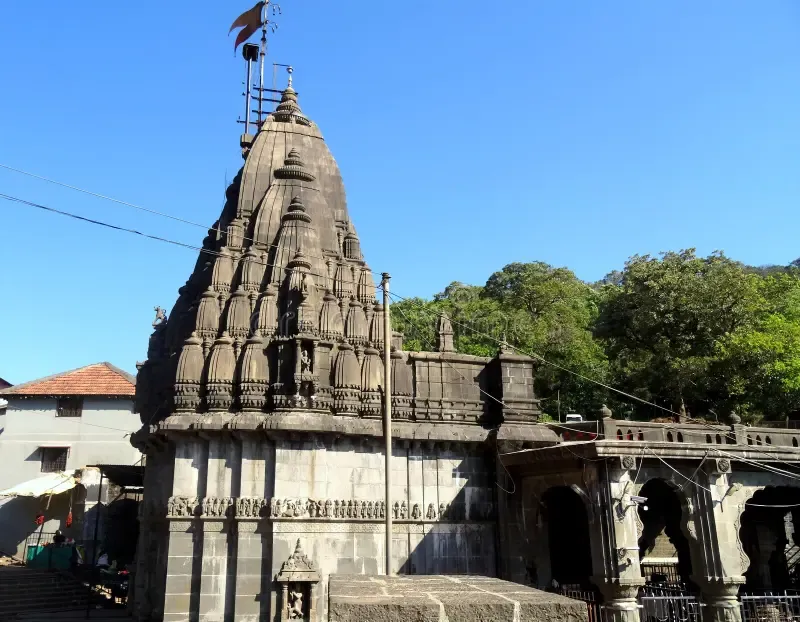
590,597
668,604
770,607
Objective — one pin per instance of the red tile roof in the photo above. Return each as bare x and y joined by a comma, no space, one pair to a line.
97,379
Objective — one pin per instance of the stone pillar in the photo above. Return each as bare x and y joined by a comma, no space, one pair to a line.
615,541
620,602
721,601
180,597
253,561
213,602
219,539
713,515
184,547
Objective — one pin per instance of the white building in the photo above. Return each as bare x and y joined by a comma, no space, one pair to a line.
55,427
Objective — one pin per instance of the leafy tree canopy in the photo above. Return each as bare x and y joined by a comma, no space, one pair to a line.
702,335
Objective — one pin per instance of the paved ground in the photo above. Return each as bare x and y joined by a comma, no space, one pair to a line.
425,598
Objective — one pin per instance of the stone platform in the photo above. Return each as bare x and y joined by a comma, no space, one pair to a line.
440,598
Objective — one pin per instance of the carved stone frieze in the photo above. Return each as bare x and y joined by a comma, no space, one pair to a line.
277,508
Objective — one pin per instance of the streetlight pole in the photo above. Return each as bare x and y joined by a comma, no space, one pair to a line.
387,415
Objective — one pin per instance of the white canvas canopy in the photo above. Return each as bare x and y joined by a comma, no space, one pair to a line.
50,484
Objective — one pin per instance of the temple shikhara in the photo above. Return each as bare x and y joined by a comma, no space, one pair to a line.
262,400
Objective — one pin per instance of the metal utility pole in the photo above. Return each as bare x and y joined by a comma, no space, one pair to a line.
387,415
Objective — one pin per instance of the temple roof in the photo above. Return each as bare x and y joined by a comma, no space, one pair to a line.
101,379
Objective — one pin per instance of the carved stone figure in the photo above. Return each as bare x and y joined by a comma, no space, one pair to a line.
396,510
442,510
312,509
370,509
328,508
416,514
305,362
296,605
161,316
403,510
431,512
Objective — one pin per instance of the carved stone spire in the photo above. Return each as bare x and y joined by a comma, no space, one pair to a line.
343,282
331,324
355,327
295,233
444,334
351,247
366,287
402,386
371,383
189,375
347,381
376,327
267,322
238,315
253,266
301,295
207,324
221,369
254,376
222,274
288,110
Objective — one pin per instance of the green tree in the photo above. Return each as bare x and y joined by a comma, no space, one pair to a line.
664,325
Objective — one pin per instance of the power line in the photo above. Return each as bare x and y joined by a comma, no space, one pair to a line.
155,237
727,434
350,282
137,207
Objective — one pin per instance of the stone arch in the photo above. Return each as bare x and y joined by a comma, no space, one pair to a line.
768,538
666,535
565,511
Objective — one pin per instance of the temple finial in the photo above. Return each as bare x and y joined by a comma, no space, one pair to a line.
290,70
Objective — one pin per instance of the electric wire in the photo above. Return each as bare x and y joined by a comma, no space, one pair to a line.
204,227
141,208
727,434
155,237
392,295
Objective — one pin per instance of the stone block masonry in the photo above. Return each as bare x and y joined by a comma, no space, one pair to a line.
359,598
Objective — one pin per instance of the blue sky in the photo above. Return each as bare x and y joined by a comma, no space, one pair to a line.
470,135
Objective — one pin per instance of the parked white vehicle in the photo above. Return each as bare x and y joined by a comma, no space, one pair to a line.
573,418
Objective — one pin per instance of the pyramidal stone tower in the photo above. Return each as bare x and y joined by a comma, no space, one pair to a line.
261,401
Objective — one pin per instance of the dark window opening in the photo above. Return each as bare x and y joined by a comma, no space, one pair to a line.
54,459
69,407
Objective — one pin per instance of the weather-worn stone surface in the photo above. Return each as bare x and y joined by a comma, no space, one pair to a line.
359,598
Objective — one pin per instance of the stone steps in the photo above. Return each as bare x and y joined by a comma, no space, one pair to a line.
24,590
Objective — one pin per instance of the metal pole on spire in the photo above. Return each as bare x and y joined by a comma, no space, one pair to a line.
387,415
263,56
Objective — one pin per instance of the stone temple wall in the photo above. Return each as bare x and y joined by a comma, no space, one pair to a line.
217,534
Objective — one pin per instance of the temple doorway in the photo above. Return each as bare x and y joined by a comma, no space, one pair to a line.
770,539
567,538
663,548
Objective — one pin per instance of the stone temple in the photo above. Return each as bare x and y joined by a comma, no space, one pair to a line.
261,403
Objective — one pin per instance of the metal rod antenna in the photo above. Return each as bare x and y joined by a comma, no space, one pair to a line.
247,97
262,58
387,415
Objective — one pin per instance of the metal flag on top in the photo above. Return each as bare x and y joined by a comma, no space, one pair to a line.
249,22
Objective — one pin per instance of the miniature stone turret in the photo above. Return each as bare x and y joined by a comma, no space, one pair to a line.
444,334
347,381
371,383
331,324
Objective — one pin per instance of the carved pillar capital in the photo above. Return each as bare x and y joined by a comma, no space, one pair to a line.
620,599
720,598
